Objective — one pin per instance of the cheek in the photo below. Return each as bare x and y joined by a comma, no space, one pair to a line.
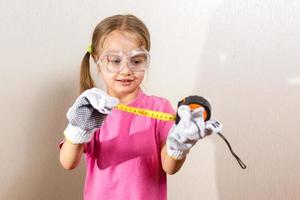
140,76
107,78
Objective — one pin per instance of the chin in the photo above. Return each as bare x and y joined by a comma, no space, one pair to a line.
126,90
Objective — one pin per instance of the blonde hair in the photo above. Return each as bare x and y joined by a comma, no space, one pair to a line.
127,23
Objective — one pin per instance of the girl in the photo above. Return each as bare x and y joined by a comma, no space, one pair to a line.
127,155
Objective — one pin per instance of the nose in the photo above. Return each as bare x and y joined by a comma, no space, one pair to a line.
126,70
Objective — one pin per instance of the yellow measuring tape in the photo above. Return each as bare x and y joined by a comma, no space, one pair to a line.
147,113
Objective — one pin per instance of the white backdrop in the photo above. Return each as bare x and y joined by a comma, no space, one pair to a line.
243,55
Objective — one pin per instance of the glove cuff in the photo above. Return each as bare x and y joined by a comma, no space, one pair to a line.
175,153
77,135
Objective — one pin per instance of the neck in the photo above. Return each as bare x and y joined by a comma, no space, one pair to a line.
125,98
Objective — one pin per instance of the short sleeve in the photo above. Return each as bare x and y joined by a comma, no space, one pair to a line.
165,126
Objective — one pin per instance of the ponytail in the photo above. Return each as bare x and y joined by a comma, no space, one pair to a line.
86,81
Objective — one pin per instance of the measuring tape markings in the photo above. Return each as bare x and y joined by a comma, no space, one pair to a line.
147,113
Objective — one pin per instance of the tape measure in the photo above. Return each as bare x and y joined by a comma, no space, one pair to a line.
195,102
192,101
147,113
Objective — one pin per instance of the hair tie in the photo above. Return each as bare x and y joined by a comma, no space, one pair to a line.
89,49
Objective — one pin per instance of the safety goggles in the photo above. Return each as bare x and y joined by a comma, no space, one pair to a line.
136,60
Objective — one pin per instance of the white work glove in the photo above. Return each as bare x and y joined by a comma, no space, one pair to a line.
191,128
87,114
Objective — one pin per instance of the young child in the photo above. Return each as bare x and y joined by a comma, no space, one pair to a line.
127,155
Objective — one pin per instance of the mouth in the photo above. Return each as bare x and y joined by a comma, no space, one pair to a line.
124,80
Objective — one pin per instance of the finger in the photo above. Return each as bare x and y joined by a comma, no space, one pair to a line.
184,112
111,102
96,100
198,112
198,116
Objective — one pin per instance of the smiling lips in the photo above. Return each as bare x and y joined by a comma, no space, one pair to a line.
125,82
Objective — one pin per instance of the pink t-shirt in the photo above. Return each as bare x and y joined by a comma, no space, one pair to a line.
123,159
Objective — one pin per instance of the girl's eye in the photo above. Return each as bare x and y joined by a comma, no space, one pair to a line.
136,62
114,60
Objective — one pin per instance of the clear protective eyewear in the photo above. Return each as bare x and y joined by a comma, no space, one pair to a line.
137,60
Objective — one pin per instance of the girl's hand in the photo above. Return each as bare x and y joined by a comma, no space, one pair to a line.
191,128
87,114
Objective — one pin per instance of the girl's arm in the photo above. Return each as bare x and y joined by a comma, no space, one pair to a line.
70,155
82,123
169,164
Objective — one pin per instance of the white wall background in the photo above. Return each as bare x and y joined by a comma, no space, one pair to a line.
243,55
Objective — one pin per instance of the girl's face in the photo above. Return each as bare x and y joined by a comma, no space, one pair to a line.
125,82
